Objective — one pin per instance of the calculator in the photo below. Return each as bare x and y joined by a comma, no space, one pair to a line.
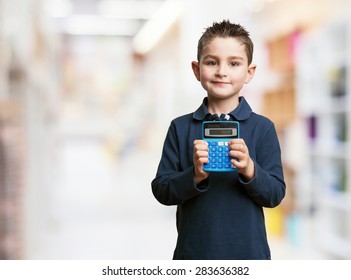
217,134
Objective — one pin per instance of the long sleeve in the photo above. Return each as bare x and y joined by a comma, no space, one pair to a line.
268,187
174,181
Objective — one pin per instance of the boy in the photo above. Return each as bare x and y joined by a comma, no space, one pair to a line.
220,214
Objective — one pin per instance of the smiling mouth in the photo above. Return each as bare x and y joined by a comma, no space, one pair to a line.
220,83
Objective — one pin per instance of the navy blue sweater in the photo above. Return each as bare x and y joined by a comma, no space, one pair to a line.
222,217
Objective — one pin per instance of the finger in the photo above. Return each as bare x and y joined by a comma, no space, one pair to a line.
238,164
237,141
238,148
240,156
200,142
201,161
201,154
201,146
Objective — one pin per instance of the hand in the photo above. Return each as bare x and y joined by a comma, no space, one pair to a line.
200,158
241,158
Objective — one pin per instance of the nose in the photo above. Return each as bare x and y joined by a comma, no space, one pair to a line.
221,70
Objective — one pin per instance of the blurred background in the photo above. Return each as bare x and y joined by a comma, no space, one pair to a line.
89,87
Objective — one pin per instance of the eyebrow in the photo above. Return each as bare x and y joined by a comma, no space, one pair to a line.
230,57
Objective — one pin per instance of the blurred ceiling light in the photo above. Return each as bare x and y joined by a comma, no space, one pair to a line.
97,25
157,26
133,9
58,8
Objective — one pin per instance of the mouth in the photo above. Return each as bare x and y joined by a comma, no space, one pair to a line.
220,83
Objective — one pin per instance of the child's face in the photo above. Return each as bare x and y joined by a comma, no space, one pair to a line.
223,68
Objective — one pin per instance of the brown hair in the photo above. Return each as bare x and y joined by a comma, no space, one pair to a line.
226,29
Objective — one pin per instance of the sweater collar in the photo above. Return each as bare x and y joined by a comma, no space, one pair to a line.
240,113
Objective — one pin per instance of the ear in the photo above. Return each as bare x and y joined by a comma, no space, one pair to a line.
196,69
250,73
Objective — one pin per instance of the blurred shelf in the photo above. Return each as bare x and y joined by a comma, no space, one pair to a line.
335,199
335,150
325,107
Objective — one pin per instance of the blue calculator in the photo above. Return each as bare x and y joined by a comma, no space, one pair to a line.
217,134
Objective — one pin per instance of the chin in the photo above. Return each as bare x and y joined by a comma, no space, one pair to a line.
222,95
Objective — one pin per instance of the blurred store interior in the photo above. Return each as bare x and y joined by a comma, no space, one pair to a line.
89,87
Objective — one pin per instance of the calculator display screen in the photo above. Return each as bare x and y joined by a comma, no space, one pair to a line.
222,132
221,129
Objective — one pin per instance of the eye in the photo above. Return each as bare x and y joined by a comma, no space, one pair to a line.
234,63
210,62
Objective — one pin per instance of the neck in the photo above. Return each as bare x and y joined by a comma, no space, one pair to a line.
222,106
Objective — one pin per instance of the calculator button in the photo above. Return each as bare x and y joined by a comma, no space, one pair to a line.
218,159
212,155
